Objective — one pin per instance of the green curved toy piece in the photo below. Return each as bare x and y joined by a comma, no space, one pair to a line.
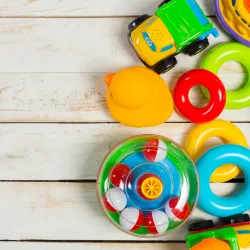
215,58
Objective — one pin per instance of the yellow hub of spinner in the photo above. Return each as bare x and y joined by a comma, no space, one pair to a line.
151,188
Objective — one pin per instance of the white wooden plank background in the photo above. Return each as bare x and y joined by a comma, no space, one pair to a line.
54,54
74,45
80,97
80,8
68,211
71,151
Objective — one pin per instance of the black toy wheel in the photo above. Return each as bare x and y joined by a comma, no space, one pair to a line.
197,47
165,65
200,225
239,218
137,22
164,2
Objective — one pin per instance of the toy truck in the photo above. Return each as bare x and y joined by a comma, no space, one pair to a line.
176,26
234,234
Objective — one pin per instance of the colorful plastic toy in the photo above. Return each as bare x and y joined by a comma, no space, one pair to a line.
120,173
215,88
174,212
211,160
233,234
223,53
115,200
131,219
138,97
156,197
225,130
155,150
178,25
157,222
234,16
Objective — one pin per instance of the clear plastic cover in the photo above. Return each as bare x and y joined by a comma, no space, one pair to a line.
147,185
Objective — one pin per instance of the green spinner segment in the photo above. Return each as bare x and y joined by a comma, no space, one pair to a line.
185,20
226,234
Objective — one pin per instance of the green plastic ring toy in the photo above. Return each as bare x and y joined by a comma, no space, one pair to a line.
216,57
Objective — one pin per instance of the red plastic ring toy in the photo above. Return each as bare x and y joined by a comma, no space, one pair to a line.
215,88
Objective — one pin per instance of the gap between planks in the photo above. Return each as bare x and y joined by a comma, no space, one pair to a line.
109,245
97,241
77,17
239,180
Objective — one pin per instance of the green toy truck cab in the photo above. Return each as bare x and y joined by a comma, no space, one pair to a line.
176,26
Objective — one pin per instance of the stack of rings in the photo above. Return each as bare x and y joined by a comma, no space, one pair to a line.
225,130
211,166
223,53
215,88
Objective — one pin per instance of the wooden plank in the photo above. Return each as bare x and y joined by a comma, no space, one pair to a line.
79,8
68,211
76,97
74,45
71,151
91,246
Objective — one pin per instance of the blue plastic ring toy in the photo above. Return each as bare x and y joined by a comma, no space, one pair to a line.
211,160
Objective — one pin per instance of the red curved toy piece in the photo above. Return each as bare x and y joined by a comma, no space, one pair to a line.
215,88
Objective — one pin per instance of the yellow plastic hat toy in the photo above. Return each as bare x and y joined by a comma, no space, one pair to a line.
138,97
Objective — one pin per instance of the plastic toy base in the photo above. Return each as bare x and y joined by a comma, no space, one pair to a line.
221,54
222,129
215,88
211,160
235,18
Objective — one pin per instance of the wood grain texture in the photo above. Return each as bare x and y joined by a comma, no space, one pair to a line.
91,246
80,97
68,211
80,8
74,45
71,151
51,70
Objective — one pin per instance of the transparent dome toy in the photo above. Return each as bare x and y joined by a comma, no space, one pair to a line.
147,185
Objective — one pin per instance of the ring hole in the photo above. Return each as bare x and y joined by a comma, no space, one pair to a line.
210,143
234,75
227,189
197,97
